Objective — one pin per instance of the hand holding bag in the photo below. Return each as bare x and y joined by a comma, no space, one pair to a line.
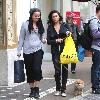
19,75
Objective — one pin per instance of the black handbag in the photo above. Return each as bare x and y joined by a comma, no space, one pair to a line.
19,75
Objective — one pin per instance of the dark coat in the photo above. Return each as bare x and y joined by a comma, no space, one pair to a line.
52,36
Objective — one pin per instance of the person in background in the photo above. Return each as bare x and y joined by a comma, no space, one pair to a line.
31,38
56,34
95,69
75,33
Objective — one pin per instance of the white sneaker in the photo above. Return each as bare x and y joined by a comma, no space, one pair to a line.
57,93
63,94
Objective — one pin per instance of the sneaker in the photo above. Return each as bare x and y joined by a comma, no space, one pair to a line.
57,93
73,71
63,94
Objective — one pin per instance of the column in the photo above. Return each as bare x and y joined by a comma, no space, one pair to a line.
92,8
46,7
65,5
76,6
55,5
8,41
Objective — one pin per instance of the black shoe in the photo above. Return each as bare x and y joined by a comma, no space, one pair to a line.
32,93
73,71
96,91
36,93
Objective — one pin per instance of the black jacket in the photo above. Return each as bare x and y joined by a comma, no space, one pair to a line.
52,36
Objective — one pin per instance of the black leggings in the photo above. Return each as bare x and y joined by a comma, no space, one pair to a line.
33,63
57,66
73,65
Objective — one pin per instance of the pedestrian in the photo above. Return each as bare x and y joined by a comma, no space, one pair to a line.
75,33
30,39
56,33
95,69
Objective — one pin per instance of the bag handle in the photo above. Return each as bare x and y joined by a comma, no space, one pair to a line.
68,33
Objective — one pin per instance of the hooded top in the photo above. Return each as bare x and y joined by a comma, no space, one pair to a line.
95,31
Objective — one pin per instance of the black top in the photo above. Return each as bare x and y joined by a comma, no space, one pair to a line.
52,35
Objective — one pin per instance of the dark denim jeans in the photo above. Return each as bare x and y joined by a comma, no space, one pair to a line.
57,66
95,69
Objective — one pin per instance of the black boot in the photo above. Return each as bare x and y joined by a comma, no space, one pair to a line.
95,91
36,93
32,93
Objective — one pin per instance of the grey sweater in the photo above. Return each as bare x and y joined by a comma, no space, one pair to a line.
30,42
95,28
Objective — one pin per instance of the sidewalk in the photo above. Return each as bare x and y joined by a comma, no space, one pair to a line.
47,86
87,96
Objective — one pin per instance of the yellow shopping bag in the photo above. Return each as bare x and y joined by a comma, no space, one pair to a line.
69,54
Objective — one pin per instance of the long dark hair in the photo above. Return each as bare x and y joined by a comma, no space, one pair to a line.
50,21
38,23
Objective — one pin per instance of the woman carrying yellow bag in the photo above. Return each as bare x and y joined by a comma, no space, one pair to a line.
56,33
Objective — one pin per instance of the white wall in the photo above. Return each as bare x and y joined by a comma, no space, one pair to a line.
23,7
91,10
55,5
45,6
76,6
65,6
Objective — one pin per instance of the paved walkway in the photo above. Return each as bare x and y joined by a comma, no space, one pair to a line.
47,86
